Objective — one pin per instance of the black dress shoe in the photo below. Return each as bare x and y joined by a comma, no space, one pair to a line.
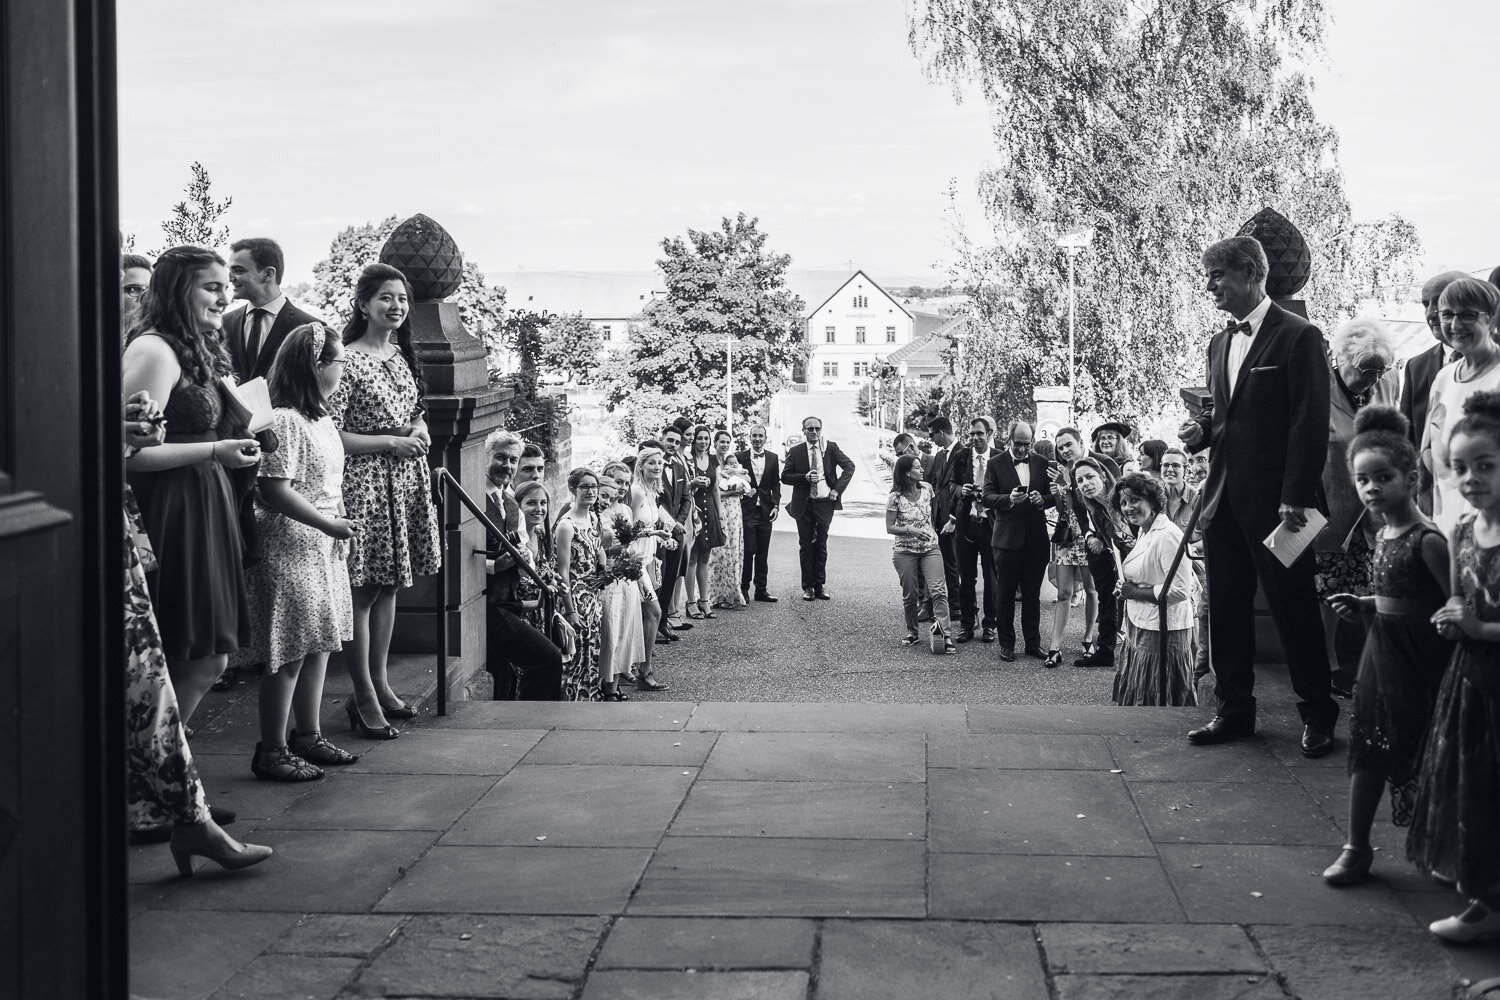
662,635
1316,742
1007,653
765,598
966,633
1036,651
988,635
808,595
680,627
1221,730
925,614
822,594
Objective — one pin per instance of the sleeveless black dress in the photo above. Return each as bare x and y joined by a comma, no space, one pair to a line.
1399,672
190,515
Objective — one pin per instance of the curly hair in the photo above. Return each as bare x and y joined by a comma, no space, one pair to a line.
1383,428
1481,416
1143,486
165,309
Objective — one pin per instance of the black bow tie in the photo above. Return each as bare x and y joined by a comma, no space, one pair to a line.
1022,460
1234,328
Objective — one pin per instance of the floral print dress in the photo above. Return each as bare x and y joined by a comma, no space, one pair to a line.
580,680
389,495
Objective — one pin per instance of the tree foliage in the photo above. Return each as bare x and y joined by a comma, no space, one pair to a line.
195,220
721,283
534,413
1162,125
571,346
481,307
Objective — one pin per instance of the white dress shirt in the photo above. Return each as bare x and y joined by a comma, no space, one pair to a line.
1240,343
980,464
1023,470
758,463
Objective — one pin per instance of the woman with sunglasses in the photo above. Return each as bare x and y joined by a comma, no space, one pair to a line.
1467,310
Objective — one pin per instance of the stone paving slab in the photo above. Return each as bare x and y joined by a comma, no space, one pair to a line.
638,714
1040,888
568,746
709,943
623,985
1357,963
190,955
1023,751
1084,720
312,871
387,802
467,955
1172,758
844,756
357,935
450,751
1218,812
544,880
305,977
856,810
1148,949
1034,812
831,717
584,805
727,876
228,783
1223,887
1198,987
901,960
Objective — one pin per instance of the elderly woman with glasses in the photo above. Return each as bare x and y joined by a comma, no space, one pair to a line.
1362,373
1467,310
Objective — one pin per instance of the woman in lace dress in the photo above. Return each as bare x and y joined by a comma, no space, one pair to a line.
379,411
622,640
726,561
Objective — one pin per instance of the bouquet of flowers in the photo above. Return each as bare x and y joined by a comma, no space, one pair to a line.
625,566
627,531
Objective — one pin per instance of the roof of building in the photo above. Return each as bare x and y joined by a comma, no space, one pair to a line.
595,294
924,355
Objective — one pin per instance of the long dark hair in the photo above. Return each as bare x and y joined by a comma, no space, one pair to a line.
370,280
165,310
294,374
898,474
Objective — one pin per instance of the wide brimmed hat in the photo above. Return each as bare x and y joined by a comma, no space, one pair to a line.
1120,427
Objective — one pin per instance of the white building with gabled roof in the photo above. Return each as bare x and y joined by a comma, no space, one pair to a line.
852,324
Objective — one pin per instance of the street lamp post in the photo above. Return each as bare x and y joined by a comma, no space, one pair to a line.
1072,244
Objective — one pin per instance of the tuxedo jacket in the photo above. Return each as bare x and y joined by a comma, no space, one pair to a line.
935,475
960,473
675,498
838,473
236,329
765,493
1023,525
1270,439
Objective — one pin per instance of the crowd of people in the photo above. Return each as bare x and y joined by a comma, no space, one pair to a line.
1363,501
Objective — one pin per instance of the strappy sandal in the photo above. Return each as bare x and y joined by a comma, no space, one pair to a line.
911,638
320,751
283,766
705,611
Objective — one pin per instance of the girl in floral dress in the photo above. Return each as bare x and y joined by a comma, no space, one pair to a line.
726,562
580,561
379,411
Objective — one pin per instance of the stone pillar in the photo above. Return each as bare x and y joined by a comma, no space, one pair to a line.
462,409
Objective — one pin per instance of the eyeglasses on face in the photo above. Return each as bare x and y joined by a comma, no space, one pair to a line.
1463,316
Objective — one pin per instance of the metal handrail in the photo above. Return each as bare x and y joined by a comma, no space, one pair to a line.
440,478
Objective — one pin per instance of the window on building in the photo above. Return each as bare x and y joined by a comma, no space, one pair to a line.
861,369
828,334
606,332
859,335
830,369
890,335
861,302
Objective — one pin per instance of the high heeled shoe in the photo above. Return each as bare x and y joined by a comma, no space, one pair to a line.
198,840
356,723
404,711
1466,927
1351,868
1053,660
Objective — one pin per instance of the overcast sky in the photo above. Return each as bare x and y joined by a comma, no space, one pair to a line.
575,134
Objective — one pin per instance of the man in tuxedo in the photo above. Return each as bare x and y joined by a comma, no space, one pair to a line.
1018,491
254,334
968,526
940,431
759,509
818,473
1416,383
1267,422
675,500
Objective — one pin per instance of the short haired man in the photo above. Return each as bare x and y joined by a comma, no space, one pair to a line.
533,465
1267,422
818,473
945,443
758,508
904,444
677,500
254,334
968,524
1017,490
521,659
1416,383
135,278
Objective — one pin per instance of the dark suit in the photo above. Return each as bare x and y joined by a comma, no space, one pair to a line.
1269,441
934,475
524,663
676,499
1416,389
973,555
1021,543
814,516
758,509
236,330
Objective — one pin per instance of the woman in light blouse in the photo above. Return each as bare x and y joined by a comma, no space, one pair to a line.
1156,667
